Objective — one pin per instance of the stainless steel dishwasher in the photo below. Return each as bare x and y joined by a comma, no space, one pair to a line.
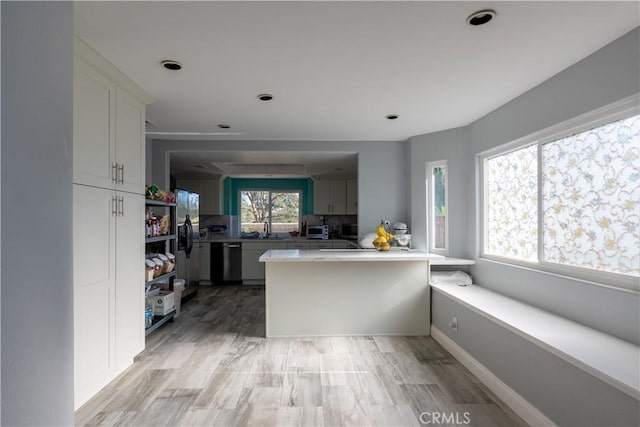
226,263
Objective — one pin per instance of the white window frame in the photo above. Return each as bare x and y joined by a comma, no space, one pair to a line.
619,110
431,218
270,190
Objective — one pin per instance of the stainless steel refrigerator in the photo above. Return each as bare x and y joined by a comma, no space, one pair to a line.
188,257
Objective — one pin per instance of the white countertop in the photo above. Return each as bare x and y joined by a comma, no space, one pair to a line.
270,240
341,255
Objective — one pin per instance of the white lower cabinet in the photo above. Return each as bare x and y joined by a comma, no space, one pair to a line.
322,244
252,268
298,245
94,279
108,258
129,301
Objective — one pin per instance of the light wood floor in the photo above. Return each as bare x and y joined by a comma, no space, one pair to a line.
213,366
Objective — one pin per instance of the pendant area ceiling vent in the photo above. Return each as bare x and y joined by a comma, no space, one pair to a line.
255,170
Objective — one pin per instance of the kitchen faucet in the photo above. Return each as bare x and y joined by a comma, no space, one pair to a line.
266,231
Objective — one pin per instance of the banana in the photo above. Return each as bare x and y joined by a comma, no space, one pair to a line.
381,231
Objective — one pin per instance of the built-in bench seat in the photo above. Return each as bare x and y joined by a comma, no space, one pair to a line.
612,360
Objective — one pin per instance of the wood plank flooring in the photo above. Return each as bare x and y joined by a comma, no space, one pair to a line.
213,367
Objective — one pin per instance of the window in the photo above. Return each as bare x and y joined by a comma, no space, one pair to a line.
511,199
279,209
438,222
572,202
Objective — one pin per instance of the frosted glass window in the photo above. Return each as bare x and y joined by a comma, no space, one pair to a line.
511,206
591,198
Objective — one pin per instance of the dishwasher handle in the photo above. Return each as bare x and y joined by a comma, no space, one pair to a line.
232,246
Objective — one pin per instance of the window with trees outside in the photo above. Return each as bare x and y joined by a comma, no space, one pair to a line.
279,209
438,223
572,201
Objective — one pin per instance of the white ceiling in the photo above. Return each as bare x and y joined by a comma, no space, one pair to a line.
337,68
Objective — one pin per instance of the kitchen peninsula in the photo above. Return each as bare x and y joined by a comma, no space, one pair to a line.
349,292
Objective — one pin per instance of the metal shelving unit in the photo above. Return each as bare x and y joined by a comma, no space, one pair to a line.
151,244
160,278
160,238
159,321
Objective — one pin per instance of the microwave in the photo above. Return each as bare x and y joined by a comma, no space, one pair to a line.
318,232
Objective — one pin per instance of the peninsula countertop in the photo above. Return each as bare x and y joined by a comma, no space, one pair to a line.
342,255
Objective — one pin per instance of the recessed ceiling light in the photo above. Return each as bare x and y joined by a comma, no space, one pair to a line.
392,116
224,126
481,17
172,65
265,97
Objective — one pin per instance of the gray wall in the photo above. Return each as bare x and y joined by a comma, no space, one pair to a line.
608,75
36,267
564,393
451,145
381,170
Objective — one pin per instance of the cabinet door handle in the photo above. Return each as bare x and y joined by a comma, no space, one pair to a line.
114,206
114,173
121,170
121,206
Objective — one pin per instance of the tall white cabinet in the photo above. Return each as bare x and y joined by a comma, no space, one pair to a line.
108,217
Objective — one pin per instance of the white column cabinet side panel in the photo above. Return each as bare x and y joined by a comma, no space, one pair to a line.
94,278
93,127
130,143
108,236
130,335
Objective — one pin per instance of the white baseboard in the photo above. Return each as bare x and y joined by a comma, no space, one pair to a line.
529,413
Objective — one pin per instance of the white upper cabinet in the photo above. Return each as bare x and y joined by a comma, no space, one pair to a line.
108,124
209,191
329,197
130,151
352,197
93,127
